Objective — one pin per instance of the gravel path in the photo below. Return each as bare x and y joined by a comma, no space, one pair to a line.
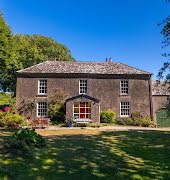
116,128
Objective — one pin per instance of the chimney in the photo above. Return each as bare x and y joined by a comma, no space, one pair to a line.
106,59
110,59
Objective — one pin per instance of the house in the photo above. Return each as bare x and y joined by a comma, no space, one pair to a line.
90,87
160,100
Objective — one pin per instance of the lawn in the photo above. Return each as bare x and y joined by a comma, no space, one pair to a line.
92,154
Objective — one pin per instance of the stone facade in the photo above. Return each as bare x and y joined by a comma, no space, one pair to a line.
103,87
159,101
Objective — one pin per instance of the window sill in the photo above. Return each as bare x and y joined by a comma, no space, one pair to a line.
124,116
126,95
41,95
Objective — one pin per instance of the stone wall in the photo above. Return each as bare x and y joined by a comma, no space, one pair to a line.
104,88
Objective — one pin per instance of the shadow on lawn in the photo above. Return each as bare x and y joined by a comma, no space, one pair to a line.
108,155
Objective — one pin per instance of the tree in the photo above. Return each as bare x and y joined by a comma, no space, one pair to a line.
34,49
57,109
166,42
21,51
8,55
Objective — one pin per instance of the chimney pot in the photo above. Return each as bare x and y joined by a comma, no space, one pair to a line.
110,60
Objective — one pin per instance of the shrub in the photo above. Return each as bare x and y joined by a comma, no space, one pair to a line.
11,120
25,140
124,121
7,100
147,122
136,115
57,109
27,107
144,121
57,112
94,125
107,116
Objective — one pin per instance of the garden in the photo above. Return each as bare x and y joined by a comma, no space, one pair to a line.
83,153
88,154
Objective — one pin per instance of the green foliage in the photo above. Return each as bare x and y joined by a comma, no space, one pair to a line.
24,141
8,119
166,42
34,49
92,154
127,121
26,107
107,116
8,56
57,109
7,100
21,51
4,98
136,115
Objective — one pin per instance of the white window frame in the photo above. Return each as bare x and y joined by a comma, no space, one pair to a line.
124,88
83,86
42,116
129,109
39,81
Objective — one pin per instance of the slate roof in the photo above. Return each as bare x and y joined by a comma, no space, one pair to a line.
160,88
83,67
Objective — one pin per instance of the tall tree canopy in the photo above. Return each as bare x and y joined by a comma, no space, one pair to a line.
166,45
21,51
34,49
8,55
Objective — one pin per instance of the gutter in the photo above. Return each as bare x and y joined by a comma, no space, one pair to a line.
150,100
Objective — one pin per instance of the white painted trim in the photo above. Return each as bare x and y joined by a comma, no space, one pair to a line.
37,108
129,110
39,87
79,85
122,94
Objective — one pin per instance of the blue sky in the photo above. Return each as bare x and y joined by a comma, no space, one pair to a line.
125,30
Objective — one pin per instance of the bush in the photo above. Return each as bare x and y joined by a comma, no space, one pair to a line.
7,100
147,122
25,140
124,121
57,109
107,116
11,120
57,113
136,115
144,121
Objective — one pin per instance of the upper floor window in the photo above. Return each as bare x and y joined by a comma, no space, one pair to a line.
42,87
83,87
124,109
124,87
42,109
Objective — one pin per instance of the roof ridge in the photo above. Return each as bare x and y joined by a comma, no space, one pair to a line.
116,64
82,67
32,66
135,68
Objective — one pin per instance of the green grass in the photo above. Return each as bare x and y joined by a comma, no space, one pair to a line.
92,154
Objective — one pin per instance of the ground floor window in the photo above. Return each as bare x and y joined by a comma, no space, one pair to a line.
124,109
42,109
82,110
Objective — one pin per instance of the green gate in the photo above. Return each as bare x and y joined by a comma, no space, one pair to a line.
163,118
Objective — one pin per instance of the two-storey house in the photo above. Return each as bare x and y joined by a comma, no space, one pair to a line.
90,86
